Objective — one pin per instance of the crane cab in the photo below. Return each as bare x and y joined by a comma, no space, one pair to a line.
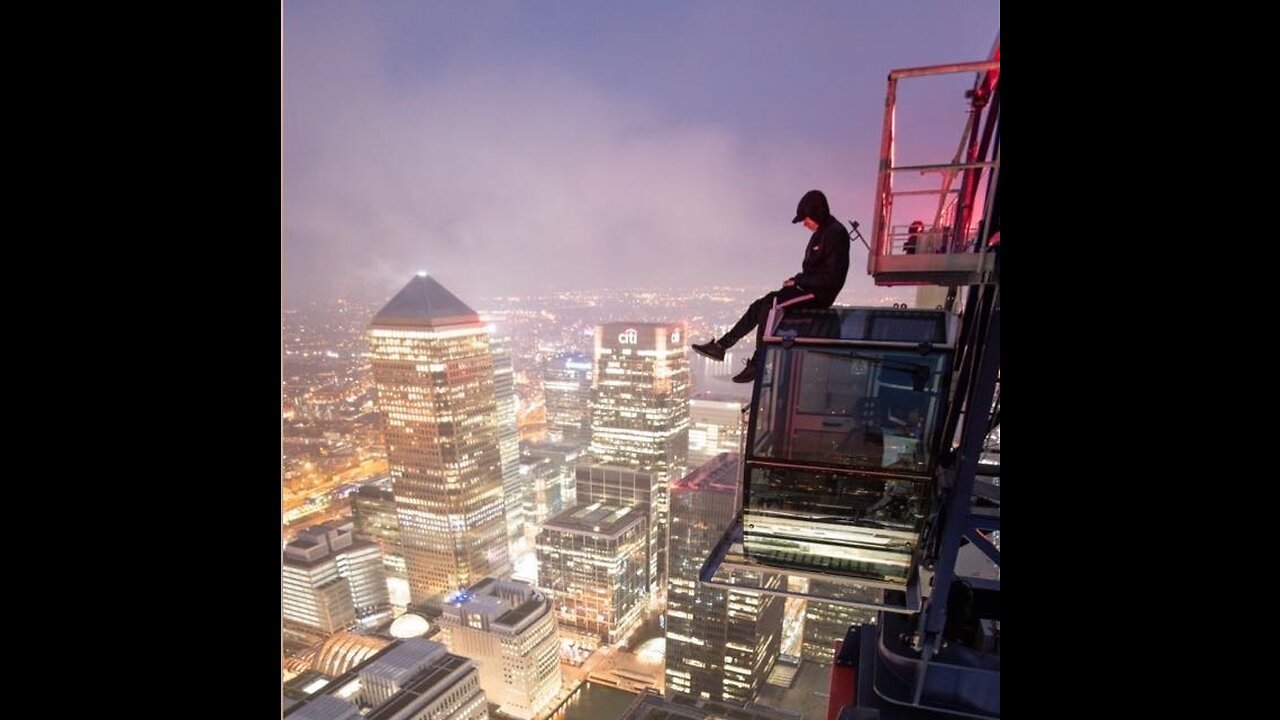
842,443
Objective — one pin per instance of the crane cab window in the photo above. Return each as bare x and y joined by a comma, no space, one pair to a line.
859,408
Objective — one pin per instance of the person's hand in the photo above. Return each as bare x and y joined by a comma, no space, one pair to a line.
788,282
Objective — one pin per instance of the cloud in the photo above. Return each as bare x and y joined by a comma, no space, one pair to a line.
514,177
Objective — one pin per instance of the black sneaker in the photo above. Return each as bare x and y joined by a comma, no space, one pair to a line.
709,349
748,373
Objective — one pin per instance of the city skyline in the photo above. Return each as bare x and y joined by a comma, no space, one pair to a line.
325,405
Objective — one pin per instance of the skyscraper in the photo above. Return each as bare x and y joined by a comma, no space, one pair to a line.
433,368
825,623
547,473
640,397
721,644
716,425
621,487
591,562
566,386
504,392
640,406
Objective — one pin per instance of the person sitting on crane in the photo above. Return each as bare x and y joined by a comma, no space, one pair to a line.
820,280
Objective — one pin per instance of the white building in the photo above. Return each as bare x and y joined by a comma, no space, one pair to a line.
509,630
329,581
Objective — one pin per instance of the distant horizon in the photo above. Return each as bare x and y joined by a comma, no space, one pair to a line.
370,295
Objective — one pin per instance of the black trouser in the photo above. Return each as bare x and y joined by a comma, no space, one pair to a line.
792,297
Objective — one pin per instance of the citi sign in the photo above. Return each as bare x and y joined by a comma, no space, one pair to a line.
631,337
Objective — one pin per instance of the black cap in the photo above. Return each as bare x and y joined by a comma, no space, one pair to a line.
812,205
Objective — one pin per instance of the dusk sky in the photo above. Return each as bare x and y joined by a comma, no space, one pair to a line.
514,147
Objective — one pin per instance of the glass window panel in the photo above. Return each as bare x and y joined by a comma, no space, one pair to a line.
861,408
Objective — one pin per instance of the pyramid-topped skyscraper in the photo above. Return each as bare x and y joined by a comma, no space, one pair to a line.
433,369
425,302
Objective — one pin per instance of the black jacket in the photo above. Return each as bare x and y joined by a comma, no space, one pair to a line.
826,262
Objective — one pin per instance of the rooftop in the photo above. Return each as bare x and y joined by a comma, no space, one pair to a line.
720,474
504,602
429,684
594,518
424,303
524,610
405,660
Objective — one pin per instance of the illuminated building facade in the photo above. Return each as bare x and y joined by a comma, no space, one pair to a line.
504,393
640,397
621,487
433,369
716,425
509,630
330,582
373,510
547,473
315,601
721,644
591,563
566,385
825,623
640,410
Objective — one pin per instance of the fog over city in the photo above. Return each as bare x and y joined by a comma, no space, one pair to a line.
508,148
